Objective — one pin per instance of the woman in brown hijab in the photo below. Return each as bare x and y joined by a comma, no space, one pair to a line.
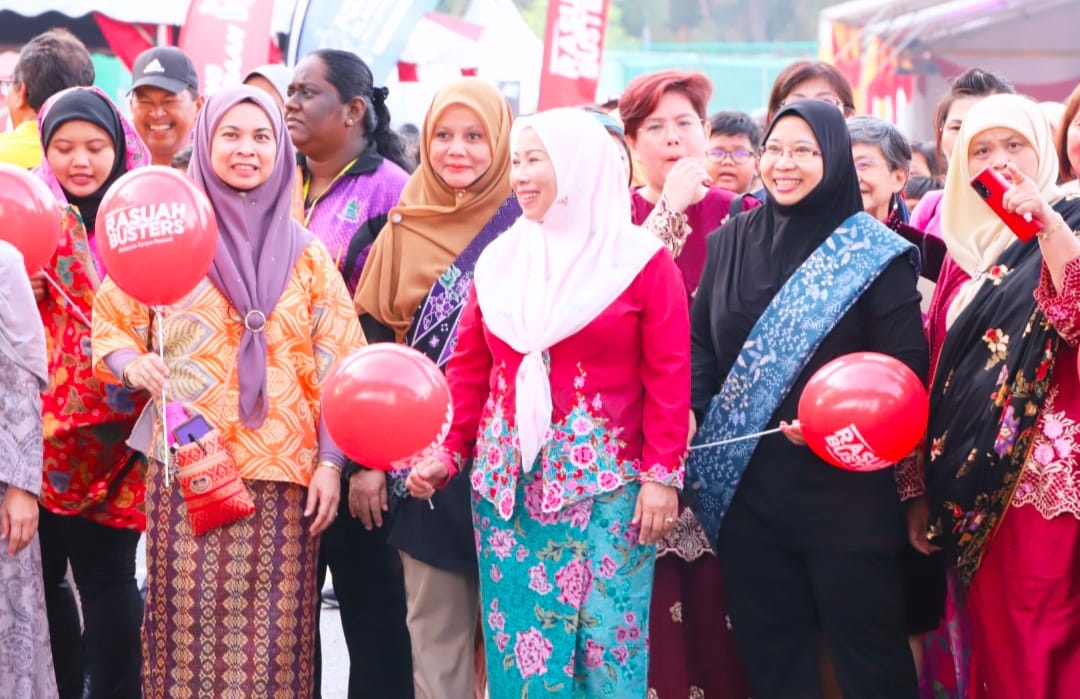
412,290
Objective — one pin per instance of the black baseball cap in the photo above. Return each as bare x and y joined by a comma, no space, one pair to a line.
166,67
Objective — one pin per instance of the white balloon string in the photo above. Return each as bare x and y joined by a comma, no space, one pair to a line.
160,311
734,439
71,304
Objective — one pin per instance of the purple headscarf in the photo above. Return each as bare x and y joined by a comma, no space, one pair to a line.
249,272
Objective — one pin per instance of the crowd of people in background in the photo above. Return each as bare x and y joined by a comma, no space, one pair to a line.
601,286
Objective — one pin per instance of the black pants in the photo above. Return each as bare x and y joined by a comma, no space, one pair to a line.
780,599
107,652
370,589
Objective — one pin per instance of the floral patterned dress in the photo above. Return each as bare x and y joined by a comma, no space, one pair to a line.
565,585
89,469
1029,648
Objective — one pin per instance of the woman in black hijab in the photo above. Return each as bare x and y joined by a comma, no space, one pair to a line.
92,490
806,548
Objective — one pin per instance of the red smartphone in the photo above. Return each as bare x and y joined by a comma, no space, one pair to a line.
991,187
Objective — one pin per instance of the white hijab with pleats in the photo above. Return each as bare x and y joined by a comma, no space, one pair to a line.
973,233
543,281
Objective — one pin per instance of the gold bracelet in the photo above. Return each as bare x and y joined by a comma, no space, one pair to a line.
124,381
1045,232
329,464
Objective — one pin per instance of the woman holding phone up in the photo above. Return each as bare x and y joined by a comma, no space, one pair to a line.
1003,446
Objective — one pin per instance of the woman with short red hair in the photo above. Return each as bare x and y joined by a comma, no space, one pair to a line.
663,115
692,647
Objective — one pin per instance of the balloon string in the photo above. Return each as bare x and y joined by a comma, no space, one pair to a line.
164,404
735,439
71,303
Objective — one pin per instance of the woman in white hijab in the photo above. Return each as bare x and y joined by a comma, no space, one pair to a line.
571,391
27,669
1003,447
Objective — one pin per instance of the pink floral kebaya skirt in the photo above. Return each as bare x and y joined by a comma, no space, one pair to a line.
565,596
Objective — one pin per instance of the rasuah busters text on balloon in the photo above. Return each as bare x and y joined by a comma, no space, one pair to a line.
137,225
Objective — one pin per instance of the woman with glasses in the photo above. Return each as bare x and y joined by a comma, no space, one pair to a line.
731,160
692,649
883,164
814,80
806,548
664,118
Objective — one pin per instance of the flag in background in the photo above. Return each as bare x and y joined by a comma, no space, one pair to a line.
573,45
226,39
375,30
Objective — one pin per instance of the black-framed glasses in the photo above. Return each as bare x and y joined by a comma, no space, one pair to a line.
740,155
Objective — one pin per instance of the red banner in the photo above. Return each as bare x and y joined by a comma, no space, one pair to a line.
573,45
226,38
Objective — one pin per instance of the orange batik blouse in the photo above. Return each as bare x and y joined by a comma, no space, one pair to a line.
312,326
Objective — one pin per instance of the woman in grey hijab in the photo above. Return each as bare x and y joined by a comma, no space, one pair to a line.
26,667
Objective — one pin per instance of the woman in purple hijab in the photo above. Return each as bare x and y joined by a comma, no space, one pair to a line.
232,612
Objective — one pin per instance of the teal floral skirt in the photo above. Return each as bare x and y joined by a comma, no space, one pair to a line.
565,596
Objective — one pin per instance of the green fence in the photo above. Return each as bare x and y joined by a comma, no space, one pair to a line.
742,73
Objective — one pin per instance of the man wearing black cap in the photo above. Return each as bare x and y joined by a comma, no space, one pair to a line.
164,101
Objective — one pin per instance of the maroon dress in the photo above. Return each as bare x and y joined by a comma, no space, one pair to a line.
692,647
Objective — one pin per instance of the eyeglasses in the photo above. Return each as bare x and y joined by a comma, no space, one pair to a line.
738,156
684,126
824,97
868,164
800,154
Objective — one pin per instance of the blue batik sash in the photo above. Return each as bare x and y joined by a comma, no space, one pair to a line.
777,350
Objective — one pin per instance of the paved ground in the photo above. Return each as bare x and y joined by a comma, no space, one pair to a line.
335,682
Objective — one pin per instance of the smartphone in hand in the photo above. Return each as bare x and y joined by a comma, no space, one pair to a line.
991,187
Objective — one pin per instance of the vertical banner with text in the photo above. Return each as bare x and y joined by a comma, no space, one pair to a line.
225,39
573,45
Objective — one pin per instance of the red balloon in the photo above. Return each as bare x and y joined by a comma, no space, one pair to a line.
157,234
386,402
863,411
29,217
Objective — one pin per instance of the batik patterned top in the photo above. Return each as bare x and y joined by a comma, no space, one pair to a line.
619,390
1050,479
312,326
86,421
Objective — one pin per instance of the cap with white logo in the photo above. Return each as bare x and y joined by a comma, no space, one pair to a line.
165,67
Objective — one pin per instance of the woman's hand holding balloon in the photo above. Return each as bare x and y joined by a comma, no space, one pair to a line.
147,372
426,477
793,431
